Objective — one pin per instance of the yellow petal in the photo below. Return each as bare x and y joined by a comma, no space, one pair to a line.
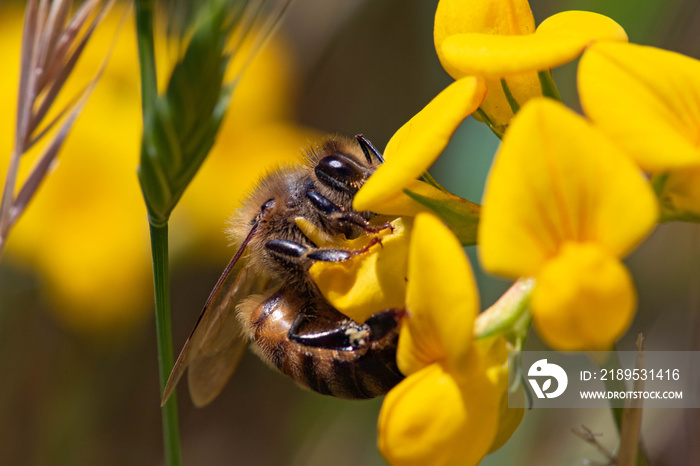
557,179
592,26
502,18
429,419
517,54
492,353
646,99
441,299
488,17
584,299
508,421
370,282
324,240
681,191
418,143
558,40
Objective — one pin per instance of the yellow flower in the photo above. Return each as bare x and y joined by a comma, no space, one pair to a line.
418,143
86,231
455,387
449,409
563,204
497,40
492,40
369,282
648,101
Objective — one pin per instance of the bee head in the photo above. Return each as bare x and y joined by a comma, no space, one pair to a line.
342,167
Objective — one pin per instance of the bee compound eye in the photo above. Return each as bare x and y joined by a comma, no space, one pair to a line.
339,171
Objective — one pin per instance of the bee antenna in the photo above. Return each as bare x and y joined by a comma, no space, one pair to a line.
368,149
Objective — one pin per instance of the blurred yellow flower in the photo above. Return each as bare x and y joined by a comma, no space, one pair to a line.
563,204
450,408
258,134
497,40
86,231
648,101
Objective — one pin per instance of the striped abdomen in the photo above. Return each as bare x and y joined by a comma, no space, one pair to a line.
321,349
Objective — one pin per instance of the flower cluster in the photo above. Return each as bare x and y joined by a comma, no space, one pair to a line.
568,197
456,385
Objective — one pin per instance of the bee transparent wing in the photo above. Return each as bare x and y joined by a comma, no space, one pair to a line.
218,348
216,344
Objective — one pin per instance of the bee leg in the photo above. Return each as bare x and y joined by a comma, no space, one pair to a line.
296,252
339,255
348,336
352,222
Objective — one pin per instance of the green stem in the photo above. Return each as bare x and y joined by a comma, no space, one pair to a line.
147,60
159,239
514,106
548,86
509,313
161,279
668,215
499,131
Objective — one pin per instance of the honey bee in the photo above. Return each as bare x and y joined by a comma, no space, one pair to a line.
266,298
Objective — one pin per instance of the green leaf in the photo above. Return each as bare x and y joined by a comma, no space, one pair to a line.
182,129
459,214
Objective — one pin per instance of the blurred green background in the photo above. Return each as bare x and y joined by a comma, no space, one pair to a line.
78,383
